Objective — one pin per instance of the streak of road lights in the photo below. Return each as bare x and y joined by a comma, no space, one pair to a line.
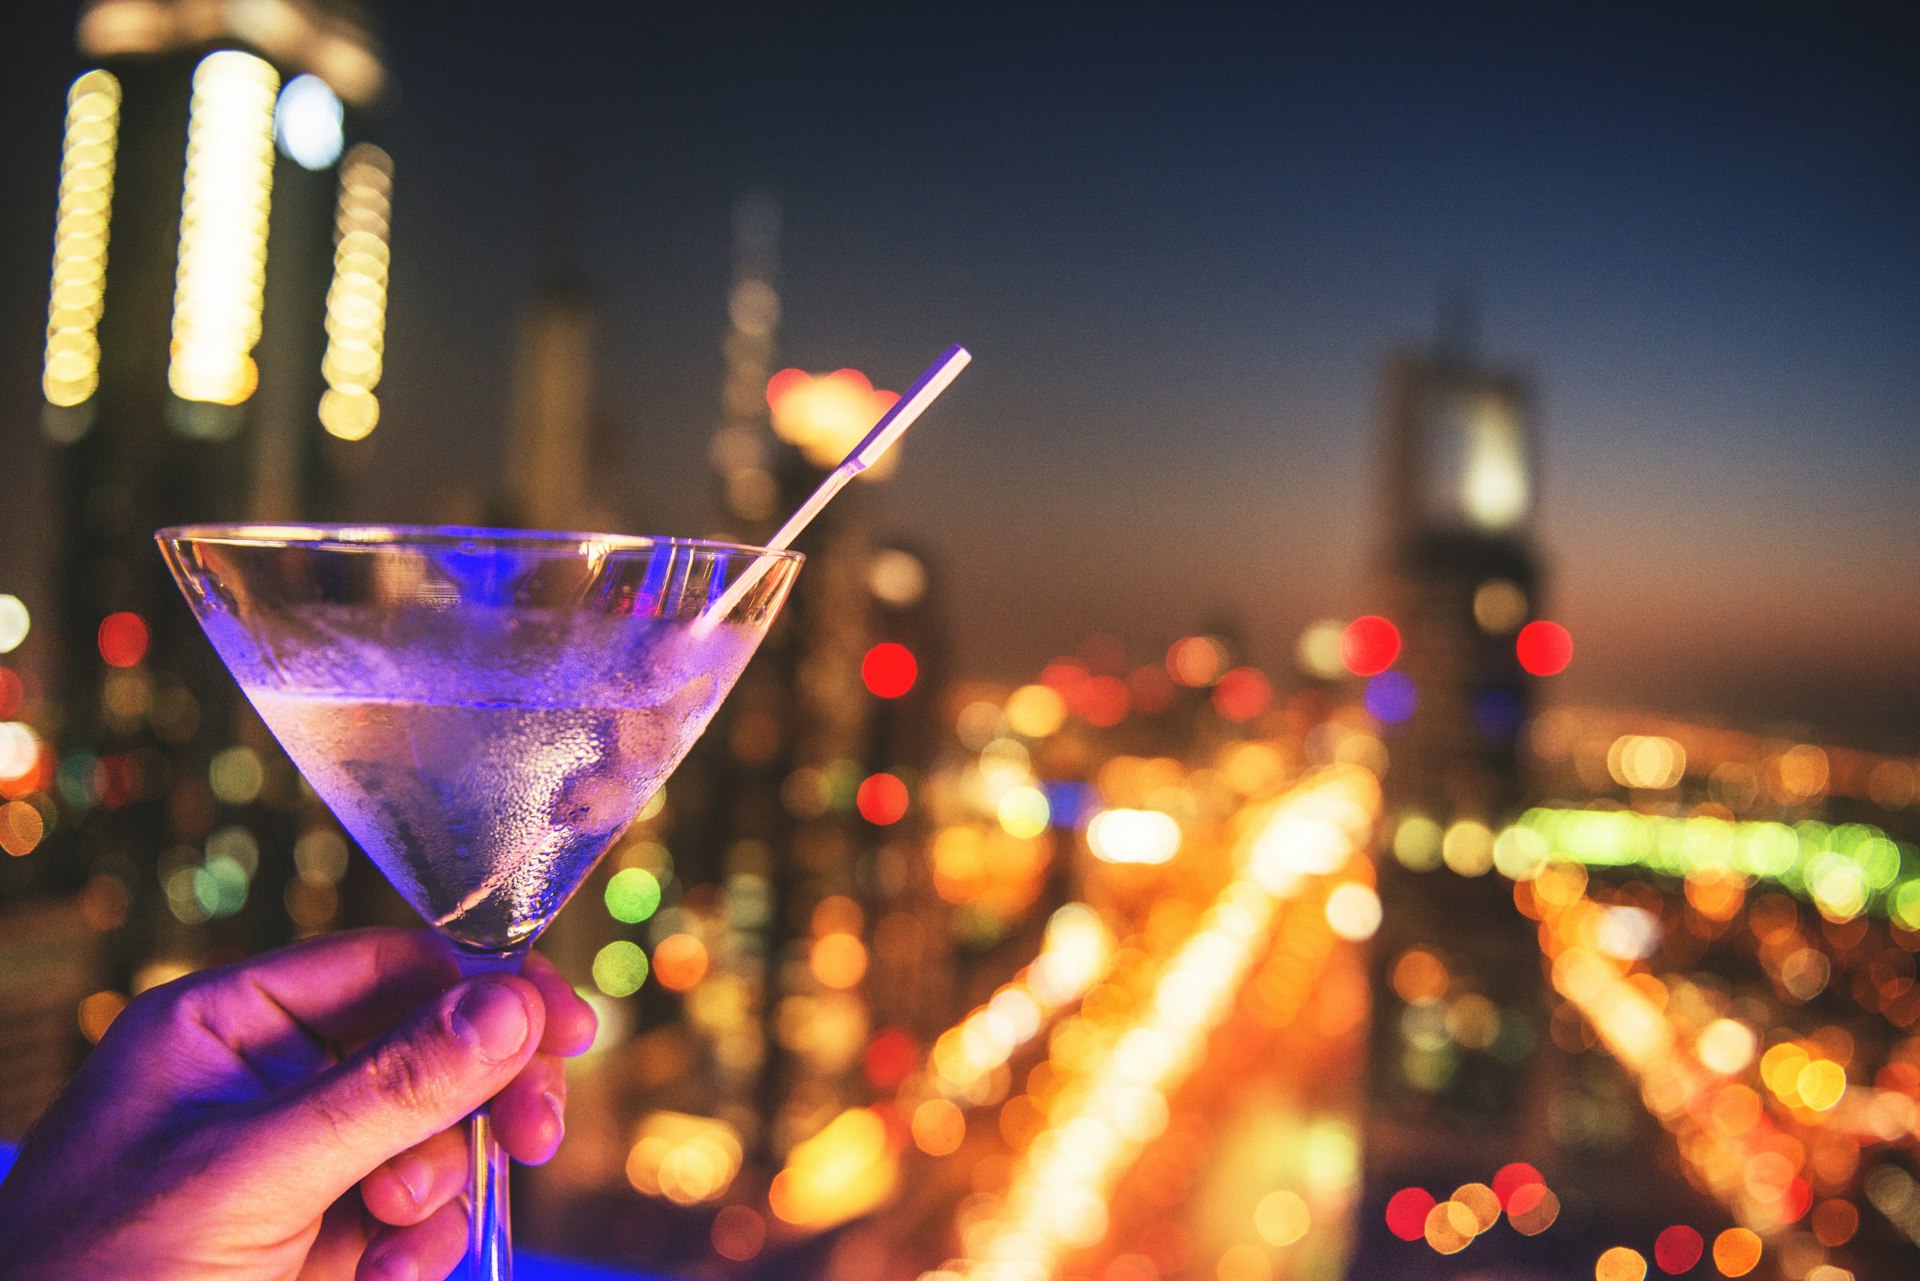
1056,1199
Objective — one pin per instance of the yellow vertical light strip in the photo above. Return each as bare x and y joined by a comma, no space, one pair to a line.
357,298
222,272
72,369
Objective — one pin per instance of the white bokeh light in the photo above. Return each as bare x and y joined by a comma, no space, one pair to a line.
308,121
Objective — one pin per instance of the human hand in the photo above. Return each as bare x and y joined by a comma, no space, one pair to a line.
224,1121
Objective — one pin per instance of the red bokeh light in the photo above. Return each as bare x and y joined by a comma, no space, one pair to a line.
889,669
1242,694
891,1057
1510,1178
1677,1249
1103,701
881,800
1798,1200
12,694
1544,648
123,639
1066,677
1407,1212
1152,688
1369,645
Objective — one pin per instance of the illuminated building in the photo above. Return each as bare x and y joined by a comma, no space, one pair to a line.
1457,1021
742,448
215,337
1459,580
780,907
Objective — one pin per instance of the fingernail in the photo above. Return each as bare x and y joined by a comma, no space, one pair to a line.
492,1018
557,1106
416,1176
395,1265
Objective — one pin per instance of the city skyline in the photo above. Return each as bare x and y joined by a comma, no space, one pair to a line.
1034,904
1181,284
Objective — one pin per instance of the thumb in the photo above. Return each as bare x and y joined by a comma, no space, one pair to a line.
418,1079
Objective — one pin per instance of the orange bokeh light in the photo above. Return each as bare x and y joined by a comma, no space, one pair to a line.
679,962
838,960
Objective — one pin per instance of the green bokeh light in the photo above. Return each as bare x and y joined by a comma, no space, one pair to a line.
620,968
633,895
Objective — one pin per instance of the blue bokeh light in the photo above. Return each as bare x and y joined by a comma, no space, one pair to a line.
1392,697
1069,802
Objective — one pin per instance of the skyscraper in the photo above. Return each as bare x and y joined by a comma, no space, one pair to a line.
214,346
1458,578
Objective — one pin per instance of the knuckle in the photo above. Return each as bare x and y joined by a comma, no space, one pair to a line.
397,1072
166,1010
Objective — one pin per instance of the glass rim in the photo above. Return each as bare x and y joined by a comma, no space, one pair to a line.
376,537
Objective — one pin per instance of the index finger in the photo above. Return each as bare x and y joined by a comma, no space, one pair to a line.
338,989
571,1022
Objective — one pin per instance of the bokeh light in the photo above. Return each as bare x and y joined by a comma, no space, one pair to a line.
1369,645
123,639
889,669
1532,1209
1196,661
1677,1249
882,799
1242,694
826,415
21,828
632,895
15,623
356,319
308,121
620,968
1318,650
1736,1251
679,962
71,372
1499,606
1353,910
1282,1217
222,264
1392,697
1035,711
1544,648
1407,1212
1133,836
1620,1263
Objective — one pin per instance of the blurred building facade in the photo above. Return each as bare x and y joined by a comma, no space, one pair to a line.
1458,577
214,350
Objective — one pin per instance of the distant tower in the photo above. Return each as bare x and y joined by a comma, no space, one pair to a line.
742,449
215,340
1458,574
559,459
800,809
1455,968
550,435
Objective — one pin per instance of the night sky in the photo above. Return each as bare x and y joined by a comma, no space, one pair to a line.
1179,246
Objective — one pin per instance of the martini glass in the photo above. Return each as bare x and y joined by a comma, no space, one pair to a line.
485,710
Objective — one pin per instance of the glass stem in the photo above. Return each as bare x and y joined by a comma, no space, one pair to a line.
489,1232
